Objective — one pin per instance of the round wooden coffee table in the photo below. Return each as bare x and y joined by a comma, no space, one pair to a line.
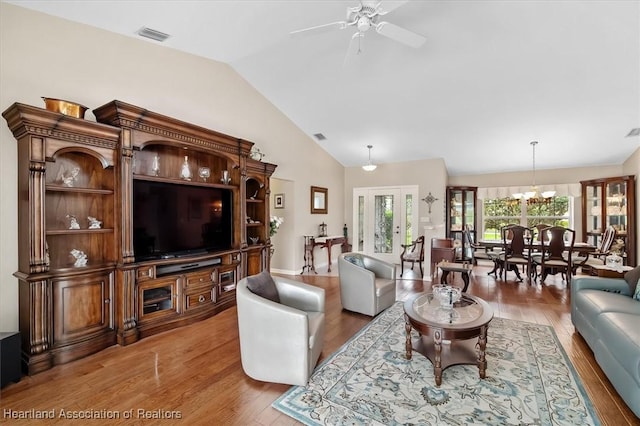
446,333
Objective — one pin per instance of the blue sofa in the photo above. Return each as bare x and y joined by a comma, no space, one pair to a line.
607,316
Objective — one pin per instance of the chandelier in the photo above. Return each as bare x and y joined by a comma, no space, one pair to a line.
369,167
533,196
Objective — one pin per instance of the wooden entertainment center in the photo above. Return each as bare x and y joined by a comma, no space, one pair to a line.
81,288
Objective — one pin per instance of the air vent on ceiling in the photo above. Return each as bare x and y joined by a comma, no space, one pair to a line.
634,132
319,136
152,34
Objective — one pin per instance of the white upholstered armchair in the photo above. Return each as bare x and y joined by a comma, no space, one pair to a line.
367,285
280,342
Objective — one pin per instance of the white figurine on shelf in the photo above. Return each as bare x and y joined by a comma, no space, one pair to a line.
73,222
94,223
69,178
81,258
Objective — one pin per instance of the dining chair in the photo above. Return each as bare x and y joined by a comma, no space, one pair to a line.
598,256
478,251
517,250
557,244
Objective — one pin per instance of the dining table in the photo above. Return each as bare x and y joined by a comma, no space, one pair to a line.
579,248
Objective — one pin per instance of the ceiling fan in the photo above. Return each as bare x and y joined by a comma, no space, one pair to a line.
366,16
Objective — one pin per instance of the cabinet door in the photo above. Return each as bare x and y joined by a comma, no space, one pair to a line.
82,307
157,299
255,261
226,282
593,219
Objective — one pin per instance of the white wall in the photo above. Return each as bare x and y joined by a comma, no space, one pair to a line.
41,55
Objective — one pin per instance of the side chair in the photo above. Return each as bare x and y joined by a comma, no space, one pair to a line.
413,253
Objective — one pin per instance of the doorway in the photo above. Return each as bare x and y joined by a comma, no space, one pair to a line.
384,218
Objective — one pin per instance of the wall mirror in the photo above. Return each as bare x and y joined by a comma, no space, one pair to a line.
319,197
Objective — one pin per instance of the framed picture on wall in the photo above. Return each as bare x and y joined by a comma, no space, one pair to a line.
278,201
319,197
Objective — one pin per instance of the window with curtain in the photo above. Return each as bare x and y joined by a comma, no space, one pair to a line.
499,212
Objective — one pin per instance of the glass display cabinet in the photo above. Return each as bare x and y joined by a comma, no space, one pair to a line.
610,202
461,212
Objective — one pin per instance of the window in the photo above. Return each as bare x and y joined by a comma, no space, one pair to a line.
497,213
408,219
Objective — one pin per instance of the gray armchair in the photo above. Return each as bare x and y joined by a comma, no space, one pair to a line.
281,342
367,285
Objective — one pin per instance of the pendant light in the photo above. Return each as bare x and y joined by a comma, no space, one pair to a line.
369,167
533,196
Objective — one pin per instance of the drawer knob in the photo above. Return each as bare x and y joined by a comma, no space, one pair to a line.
201,298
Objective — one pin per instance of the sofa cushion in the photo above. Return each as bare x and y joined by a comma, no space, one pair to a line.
632,277
591,303
263,285
636,295
384,285
620,334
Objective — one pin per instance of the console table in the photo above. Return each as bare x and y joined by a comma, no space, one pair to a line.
322,242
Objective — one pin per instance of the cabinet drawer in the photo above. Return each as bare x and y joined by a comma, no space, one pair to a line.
146,273
196,279
200,298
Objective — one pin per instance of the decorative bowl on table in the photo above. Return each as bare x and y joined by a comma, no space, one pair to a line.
446,295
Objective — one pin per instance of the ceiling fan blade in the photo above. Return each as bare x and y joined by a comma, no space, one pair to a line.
400,34
385,7
355,47
320,28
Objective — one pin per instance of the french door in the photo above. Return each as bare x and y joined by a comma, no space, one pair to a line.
383,219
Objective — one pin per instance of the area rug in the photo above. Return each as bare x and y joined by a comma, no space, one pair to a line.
368,381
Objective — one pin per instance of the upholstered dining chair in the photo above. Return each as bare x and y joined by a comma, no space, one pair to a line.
413,253
556,246
478,251
441,249
517,243
281,324
367,284
597,257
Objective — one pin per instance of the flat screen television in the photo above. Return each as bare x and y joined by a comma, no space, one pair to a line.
176,219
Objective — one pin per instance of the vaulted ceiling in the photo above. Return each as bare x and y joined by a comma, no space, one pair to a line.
491,77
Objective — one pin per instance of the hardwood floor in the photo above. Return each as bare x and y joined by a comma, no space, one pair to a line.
193,374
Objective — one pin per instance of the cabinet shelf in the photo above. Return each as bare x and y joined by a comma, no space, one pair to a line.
156,300
253,200
254,224
79,231
75,190
181,181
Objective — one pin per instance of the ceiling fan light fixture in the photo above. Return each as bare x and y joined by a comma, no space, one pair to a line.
369,167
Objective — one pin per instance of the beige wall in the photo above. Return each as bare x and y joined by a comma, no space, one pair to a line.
543,177
429,175
42,55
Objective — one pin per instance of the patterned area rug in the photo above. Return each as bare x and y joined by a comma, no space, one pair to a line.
368,381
